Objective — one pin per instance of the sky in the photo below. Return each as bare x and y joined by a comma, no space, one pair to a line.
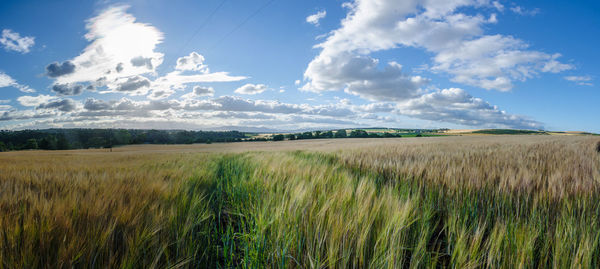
275,65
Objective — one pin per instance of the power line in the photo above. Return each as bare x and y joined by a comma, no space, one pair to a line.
204,23
242,23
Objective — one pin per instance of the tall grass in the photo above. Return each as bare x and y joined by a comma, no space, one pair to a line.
422,205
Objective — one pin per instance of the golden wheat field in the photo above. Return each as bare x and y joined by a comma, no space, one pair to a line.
430,202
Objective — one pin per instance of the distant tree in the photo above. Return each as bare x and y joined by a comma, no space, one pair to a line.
317,134
418,135
61,142
49,143
44,143
31,144
291,137
278,137
3,147
96,142
98,138
328,134
306,135
158,137
122,137
108,143
341,133
184,137
359,133
139,138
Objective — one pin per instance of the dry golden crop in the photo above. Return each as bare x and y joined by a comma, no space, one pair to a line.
477,201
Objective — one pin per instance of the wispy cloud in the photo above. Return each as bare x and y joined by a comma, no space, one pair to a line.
315,18
525,12
580,80
13,41
251,89
7,81
27,100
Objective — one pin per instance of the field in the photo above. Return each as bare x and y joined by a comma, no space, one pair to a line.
518,201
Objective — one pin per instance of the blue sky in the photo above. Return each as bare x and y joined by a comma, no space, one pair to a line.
286,65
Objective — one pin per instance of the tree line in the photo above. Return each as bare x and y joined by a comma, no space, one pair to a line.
342,133
60,139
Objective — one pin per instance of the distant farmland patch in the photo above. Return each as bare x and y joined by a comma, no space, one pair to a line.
507,132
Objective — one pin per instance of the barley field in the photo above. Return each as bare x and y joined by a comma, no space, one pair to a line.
431,202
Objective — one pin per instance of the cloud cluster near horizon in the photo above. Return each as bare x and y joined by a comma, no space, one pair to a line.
122,58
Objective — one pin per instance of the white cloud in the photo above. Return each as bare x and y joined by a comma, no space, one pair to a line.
158,94
454,33
203,91
13,41
64,105
176,80
122,56
120,47
457,106
35,100
494,62
26,115
251,89
3,106
60,69
199,91
580,80
217,120
125,104
315,18
297,82
498,6
360,75
522,11
449,106
233,103
221,104
455,38
7,81
493,18
133,85
68,89
192,62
